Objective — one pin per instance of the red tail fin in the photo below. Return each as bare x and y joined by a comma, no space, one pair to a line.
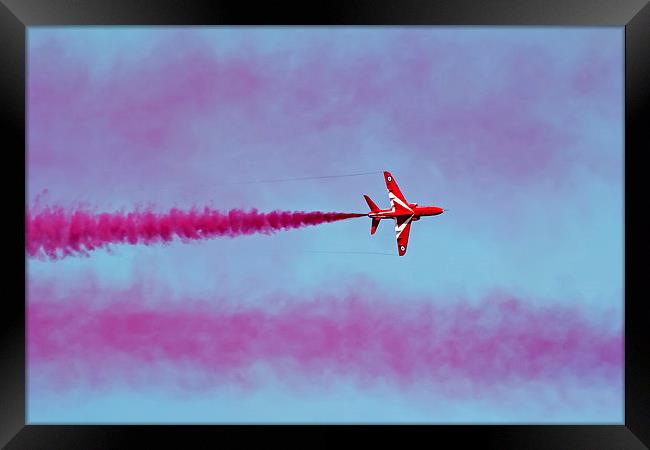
371,204
374,225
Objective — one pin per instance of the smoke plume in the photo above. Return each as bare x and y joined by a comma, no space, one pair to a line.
57,232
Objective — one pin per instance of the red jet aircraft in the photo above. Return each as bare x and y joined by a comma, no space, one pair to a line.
401,211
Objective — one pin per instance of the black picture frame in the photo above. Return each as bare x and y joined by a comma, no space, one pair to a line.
634,15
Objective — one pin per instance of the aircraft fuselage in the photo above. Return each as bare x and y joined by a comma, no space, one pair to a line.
418,211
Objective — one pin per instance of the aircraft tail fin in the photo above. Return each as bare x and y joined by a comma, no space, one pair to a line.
374,225
371,204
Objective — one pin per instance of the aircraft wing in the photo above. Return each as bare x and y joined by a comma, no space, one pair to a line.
402,230
397,200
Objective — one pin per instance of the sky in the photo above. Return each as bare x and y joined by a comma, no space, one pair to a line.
507,308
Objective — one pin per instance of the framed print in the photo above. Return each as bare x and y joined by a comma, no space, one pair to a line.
349,215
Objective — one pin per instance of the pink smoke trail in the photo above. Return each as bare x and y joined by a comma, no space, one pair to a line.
57,232
81,337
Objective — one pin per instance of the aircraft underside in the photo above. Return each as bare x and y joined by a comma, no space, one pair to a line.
401,211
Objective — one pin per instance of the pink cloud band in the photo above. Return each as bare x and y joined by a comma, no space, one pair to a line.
498,340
